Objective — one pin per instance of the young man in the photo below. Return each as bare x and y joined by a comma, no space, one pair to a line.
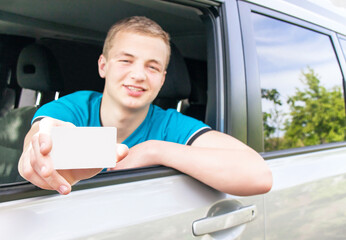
134,61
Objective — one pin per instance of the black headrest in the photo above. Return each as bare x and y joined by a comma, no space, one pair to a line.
177,83
10,47
37,69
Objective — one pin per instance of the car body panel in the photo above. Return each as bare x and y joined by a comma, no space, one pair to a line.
161,208
308,195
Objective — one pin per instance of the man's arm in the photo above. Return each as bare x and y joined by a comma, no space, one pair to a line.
214,158
35,164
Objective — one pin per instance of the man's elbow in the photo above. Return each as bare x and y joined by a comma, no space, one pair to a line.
262,178
260,182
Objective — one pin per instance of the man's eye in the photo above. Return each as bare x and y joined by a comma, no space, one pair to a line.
124,60
154,68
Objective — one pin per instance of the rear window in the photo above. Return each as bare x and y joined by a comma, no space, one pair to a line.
301,85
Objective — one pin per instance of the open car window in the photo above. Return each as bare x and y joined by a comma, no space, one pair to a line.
74,36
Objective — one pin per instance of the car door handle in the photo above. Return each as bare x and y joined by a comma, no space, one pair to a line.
224,221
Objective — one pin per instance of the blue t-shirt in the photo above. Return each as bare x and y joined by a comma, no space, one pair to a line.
82,108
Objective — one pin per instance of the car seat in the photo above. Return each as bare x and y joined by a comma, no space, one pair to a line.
37,70
78,64
177,85
7,95
10,47
195,106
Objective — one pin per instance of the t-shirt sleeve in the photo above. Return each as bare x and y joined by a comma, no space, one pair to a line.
58,110
184,129
71,108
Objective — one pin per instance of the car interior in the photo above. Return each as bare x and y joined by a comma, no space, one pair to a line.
50,48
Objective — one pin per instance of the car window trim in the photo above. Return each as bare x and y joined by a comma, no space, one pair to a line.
341,54
24,190
302,150
342,38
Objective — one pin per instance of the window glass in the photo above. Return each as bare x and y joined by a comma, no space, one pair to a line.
301,84
343,46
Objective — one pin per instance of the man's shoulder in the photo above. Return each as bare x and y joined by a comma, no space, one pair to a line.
170,114
158,111
175,126
78,108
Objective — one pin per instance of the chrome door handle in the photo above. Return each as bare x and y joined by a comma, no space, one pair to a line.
224,221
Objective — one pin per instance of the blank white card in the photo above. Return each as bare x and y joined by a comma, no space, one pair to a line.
83,147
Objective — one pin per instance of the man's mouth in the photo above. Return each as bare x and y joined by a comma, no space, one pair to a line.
134,88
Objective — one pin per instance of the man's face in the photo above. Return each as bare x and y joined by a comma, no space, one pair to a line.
134,69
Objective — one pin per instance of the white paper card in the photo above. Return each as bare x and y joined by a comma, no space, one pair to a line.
83,147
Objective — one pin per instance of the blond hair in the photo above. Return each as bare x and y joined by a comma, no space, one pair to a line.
140,25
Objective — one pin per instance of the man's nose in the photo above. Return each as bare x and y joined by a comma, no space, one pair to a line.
138,72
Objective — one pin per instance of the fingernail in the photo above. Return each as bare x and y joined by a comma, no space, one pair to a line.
42,146
62,189
122,149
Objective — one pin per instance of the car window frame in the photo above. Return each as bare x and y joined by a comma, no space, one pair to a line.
342,38
235,85
255,122
215,59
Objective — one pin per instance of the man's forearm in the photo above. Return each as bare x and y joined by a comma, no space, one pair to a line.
238,172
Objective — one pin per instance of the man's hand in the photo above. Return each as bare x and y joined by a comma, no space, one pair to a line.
141,155
35,164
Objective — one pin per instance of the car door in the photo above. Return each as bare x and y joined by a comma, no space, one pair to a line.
129,207
296,72
154,202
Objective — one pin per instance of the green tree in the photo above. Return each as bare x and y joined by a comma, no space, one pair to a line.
272,120
317,114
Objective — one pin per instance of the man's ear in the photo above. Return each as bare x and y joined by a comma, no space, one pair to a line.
102,63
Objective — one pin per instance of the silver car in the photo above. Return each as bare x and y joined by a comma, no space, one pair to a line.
270,73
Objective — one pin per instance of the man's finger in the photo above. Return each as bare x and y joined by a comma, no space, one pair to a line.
40,163
58,183
45,143
44,168
122,151
29,173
